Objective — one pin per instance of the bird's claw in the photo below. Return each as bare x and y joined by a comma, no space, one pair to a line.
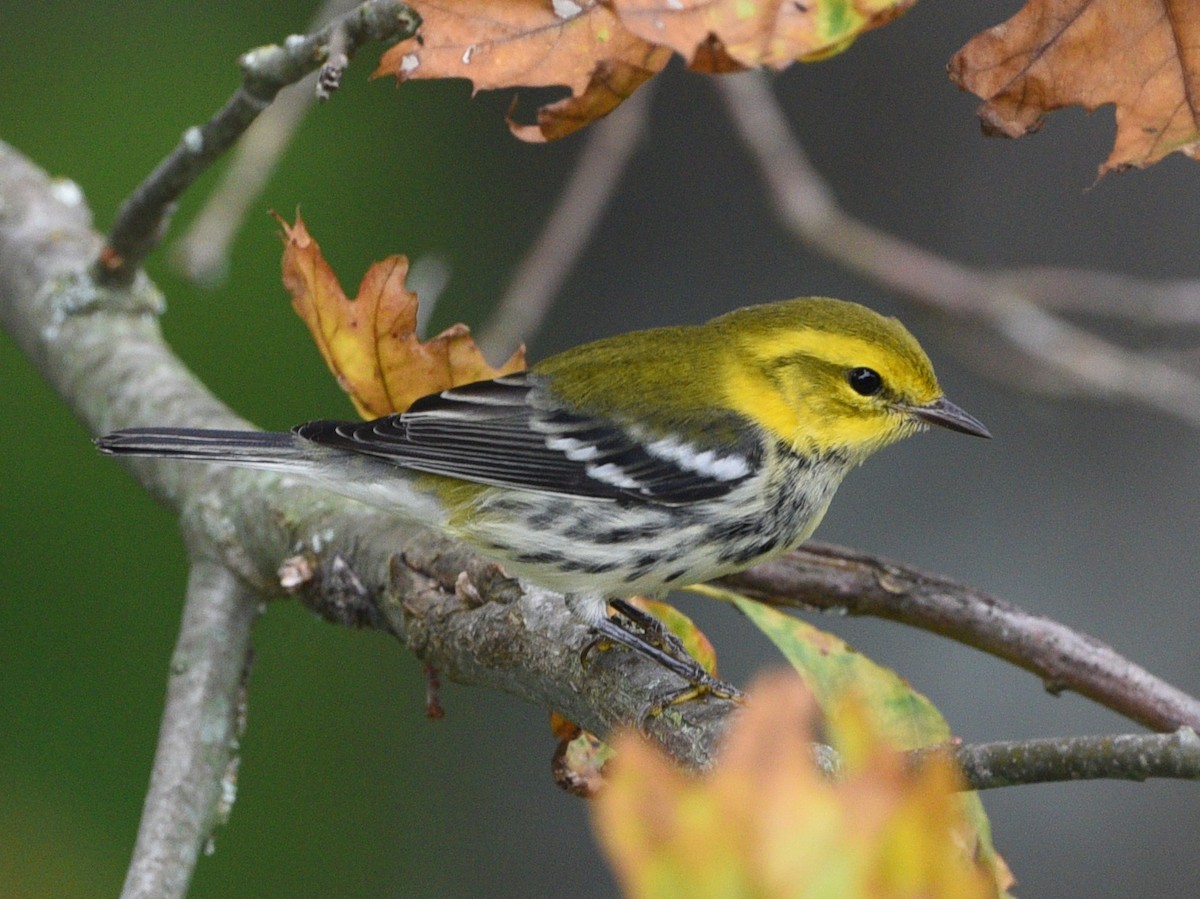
667,650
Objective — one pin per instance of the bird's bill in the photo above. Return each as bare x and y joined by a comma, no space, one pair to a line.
945,414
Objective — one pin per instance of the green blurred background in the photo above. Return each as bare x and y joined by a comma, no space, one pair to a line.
1083,511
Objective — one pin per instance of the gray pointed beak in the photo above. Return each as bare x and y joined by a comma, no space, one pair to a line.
945,414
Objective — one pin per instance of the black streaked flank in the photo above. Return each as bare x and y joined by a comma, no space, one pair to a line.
595,567
537,558
615,535
748,552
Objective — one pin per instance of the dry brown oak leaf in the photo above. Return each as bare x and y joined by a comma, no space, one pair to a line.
1141,55
370,341
603,50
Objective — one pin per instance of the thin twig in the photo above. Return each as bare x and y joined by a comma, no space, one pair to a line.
818,576
143,217
329,76
202,252
1056,759
807,207
194,776
1167,303
540,274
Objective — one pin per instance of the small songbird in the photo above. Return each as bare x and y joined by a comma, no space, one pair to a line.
630,465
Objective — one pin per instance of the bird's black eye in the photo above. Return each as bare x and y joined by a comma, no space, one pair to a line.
865,381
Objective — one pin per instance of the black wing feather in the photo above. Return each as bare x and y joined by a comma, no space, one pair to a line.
504,432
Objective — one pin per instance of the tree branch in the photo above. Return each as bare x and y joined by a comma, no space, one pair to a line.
818,576
202,253
102,350
194,778
1167,303
1053,760
143,217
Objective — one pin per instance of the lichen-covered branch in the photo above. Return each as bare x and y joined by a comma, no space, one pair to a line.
143,217
194,779
101,348
1056,759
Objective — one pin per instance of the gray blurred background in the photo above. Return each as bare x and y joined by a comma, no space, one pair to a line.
1080,510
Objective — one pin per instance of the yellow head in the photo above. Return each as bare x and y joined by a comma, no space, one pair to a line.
826,375
823,375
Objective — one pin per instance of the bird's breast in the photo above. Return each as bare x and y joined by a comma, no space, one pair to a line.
574,544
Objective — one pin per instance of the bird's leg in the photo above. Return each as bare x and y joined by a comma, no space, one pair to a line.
678,661
686,667
654,630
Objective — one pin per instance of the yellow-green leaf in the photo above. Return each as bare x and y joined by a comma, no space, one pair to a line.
830,667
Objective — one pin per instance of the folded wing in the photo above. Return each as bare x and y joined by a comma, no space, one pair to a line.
508,432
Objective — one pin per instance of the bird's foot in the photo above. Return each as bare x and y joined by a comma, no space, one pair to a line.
665,649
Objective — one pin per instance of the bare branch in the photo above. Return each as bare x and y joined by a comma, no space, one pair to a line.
194,777
143,217
329,76
202,253
996,300
1108,295
540,274
1055,759
818,576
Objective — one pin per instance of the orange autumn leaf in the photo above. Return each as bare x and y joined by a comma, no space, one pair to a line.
563,728
611,84
754,32
766,822
529,43
603,50
506,43
1141,55
370,341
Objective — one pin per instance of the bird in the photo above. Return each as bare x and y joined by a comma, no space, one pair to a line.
630,465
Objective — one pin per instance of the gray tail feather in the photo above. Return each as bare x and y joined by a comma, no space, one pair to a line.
263,449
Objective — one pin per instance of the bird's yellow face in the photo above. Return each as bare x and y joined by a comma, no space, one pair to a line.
823,392
827,375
